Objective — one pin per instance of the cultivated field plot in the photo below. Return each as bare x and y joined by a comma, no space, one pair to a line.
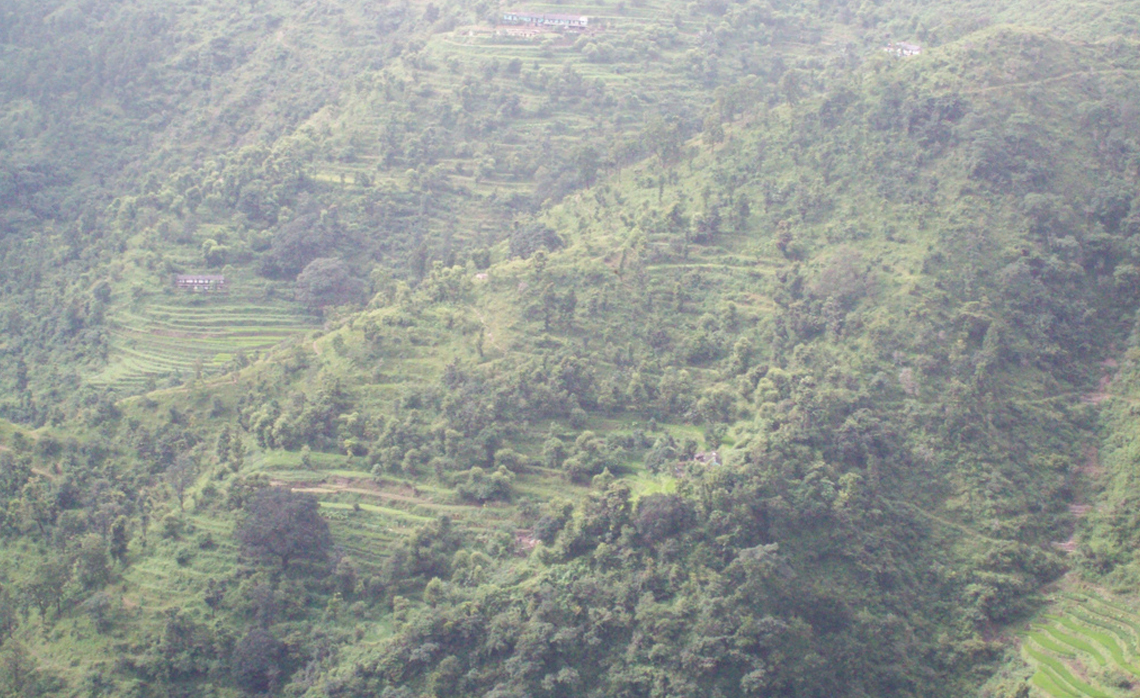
1089,647
185,337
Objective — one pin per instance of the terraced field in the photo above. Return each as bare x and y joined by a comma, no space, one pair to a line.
368,517
1088,646
183,335
609,98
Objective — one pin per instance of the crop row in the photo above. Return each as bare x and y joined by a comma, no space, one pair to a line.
1089,647
201,335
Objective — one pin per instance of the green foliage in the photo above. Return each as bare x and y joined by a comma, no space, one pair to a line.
327,281
549,269
20,676
478,486
257,662
283,526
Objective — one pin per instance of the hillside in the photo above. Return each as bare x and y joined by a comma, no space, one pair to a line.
713,351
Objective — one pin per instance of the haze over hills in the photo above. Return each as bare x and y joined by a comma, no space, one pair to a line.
719,349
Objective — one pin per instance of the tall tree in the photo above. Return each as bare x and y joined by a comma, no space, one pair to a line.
283,526
182,474
46,586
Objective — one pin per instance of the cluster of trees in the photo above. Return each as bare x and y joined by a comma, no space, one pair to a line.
678,593
77,518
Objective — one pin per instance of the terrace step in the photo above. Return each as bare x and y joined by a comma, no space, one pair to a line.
1084,636
167,337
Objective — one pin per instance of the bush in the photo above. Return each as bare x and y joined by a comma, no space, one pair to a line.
184,556
481,487
171,526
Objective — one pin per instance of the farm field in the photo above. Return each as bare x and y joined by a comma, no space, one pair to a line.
185,336
1087,645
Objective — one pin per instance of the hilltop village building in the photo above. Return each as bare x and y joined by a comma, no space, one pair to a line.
903,49
538,19
200,283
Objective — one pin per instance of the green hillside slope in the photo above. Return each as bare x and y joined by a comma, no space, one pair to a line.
716,351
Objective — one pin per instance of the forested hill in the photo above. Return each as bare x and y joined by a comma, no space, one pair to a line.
722,349
140,140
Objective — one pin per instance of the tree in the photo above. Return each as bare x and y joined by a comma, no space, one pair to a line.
237,453
214,253
588,161
8,615
792,85
328,281
45,588
100,609
662,515
284,526
185,648
182,474
525,240
482,487
222,446
553,452
120,538
91,562
256,661
13,473
19,677
38,504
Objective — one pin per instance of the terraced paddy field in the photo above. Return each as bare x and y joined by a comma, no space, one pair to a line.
1086,646
182,336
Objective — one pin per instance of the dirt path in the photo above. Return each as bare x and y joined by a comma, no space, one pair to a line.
356,485
946,522
488,335
1046,81
1100,394
1090,467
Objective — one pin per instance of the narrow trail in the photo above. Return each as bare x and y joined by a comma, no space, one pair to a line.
359,486
488,335
1090,467
1046,81
947,522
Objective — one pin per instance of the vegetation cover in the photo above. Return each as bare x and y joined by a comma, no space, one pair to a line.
722,349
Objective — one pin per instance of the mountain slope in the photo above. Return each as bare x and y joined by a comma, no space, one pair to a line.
787,402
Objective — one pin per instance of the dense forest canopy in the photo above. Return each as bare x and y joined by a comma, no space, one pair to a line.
749,348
